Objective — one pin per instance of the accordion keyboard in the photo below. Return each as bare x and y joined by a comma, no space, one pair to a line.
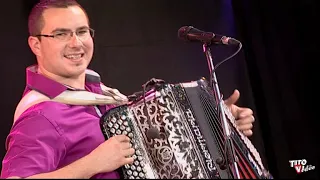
119,123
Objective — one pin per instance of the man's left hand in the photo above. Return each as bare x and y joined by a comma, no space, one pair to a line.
244,116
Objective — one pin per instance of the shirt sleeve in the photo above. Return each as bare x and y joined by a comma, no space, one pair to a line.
34,145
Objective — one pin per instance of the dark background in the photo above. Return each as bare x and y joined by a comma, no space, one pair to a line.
137,40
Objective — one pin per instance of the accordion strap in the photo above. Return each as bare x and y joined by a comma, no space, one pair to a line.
109,96
89,98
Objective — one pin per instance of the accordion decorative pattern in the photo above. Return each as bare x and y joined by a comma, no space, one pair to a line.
187,148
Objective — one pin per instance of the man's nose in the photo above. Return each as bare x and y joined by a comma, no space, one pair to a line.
75,41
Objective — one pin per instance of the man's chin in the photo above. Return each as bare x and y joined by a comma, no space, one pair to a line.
75,72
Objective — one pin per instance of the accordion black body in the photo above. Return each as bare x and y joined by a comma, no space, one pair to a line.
191,142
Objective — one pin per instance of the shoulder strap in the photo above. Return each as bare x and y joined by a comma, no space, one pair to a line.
30,99
85,98
110,96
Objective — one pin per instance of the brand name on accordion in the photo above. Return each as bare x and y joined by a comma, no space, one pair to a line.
201,140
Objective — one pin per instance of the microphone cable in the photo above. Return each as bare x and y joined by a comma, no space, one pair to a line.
228,58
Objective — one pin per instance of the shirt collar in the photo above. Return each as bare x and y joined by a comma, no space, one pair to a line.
53,88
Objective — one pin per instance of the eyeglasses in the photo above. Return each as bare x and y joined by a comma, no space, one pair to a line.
65,34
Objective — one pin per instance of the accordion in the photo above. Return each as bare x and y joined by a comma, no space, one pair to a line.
190,142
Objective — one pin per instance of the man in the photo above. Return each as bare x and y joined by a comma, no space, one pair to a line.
55,140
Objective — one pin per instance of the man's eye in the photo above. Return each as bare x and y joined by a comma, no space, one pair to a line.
82,32
61,34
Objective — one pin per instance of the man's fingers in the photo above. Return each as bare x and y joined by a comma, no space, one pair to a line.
125,145
233,98
248,132
243,112
128,160
122,138
128,152
246,120
244,127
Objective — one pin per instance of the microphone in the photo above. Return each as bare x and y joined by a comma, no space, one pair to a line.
189,33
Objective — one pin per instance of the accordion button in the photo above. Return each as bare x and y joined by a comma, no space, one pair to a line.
130,135
134,157
123,117
136,163
142,165
126,123
114,120
140,158
110,124
128,129
118,132
112,130
120,121
138,152
129,172
133,168
122,127
141,175
116,126
139,168
135,146
124,132
135,173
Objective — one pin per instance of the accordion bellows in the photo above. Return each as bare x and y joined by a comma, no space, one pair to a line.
191,142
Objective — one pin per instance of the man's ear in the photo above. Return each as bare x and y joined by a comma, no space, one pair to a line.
34,44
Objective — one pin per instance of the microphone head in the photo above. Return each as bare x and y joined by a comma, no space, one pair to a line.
192,34
153,133
183,32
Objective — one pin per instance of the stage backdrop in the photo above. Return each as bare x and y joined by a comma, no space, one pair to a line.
136,41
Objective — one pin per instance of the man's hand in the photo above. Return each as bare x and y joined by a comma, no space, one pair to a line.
111,154
244,116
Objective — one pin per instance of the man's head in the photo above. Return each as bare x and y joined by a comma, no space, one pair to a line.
60,37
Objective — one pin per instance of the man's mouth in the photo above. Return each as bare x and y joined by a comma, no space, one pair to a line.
74,56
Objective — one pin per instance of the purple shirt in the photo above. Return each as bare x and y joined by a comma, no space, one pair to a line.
51,135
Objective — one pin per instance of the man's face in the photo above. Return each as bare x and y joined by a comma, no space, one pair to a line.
68,58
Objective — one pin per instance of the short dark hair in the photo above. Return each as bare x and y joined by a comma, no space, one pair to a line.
36,21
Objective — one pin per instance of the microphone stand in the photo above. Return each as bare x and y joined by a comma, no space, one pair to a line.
230,152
